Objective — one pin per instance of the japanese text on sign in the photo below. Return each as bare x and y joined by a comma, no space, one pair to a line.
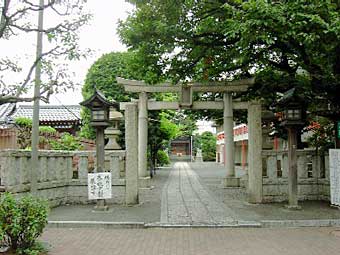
334,176
99,186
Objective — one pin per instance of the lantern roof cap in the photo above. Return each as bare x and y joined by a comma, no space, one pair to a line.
98,96
291,97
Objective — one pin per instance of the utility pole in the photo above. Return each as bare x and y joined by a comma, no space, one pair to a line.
35,121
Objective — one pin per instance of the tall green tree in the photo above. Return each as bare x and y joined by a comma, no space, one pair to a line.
284,43
161,130
186,122
102,76
207,142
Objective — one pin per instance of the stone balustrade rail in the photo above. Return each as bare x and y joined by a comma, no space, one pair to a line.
62,175
313,176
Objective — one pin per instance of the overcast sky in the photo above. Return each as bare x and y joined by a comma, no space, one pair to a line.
99,36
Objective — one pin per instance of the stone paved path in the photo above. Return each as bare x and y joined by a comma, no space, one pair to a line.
186,201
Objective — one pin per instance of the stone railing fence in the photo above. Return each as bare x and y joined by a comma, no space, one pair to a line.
313,176
62,175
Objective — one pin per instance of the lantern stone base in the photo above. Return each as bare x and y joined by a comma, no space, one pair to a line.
199,159
100,208
231,182
144,182
293,207
244,181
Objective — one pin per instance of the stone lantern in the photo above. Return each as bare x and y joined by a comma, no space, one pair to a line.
113,131
100,119
292,119
99,107
293,113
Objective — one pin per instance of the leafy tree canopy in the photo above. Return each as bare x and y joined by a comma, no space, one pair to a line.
168,127
207,142
102,75
186,122
285,43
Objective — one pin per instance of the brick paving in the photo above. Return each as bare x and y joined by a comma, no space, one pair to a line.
311,241
192,194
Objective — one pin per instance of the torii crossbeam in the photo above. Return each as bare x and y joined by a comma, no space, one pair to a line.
185,91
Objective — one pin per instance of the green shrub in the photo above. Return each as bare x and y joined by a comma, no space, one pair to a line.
67,142
9,219
23,122
24,132
162,158
47,129
22,222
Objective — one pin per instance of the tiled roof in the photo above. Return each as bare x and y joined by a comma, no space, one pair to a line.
50,113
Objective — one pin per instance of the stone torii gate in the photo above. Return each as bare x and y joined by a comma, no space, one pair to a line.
185,91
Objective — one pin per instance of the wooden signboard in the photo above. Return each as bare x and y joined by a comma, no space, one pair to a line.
99,186
334,176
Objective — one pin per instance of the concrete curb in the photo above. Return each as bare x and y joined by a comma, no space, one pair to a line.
300,223
236,224
95,224
249,224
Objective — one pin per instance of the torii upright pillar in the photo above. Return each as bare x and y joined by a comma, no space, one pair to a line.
144,176
254,153
230,180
